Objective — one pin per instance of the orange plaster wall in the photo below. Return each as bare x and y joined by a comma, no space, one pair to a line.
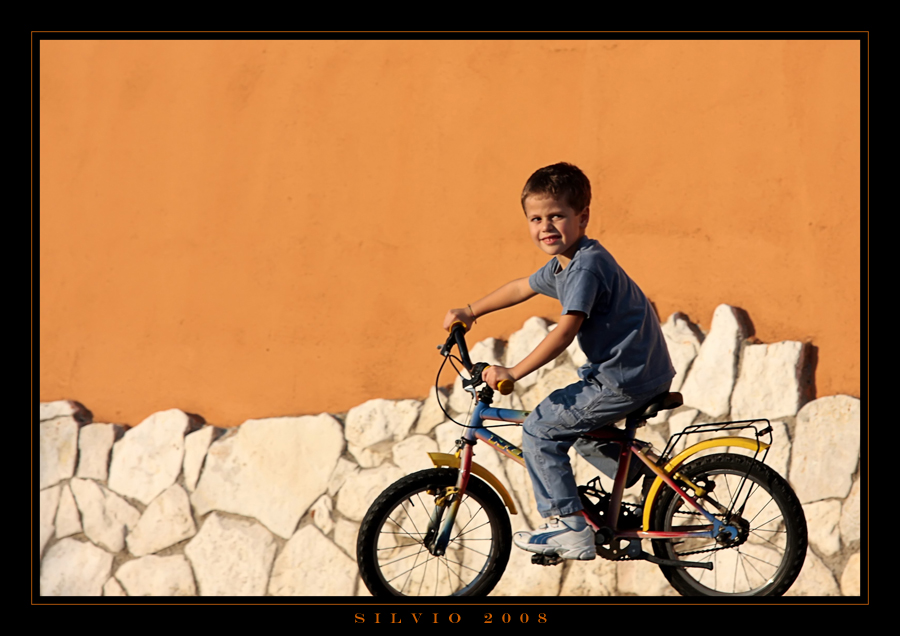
263,228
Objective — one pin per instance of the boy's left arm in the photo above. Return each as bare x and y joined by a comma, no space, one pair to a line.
549,349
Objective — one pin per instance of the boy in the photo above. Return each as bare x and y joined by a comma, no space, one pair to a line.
628,363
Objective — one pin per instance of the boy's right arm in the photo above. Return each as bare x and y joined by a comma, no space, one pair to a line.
510,294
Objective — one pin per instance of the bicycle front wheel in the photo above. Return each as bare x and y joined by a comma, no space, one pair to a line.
392,548
771,547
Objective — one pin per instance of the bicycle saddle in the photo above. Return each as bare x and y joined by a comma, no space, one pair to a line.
662,402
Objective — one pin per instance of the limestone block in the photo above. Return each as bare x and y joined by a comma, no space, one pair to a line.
711,378
166,521
850,577
642,578
849,516
231,557
770,383
95,441
342,470
321,514
780,451
431,414
826,448
362,488
586,579
511,401
822,520
49,410
683,340
157,576
74,568
815,579
346,533
549,382
64,408
597,578
195,446
522,343
520,487
58,450
523,578
446,435
489,350
410,455
461,401
271,469
68,521
378,421
105,516
370,457
311,565
680,421
148,458
48,502
113,588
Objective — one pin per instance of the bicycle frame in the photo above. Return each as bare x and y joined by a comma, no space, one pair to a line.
476,431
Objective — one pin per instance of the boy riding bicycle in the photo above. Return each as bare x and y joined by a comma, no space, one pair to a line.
628,363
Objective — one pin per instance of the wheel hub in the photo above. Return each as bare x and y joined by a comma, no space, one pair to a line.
743,528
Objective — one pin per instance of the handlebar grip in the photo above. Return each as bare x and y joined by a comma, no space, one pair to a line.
457,322
505,387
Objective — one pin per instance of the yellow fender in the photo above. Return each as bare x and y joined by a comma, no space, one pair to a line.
676,462
452,461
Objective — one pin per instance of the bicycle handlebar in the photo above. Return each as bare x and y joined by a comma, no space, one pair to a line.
457,336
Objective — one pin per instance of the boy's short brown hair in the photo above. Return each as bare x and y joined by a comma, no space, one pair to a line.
563,181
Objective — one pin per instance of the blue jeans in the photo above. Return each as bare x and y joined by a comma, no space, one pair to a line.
557,423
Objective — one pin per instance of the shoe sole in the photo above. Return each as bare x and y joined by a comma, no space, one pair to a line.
575,554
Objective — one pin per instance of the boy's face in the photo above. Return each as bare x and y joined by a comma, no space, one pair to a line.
555,227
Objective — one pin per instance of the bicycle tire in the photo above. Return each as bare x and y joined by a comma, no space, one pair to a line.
392,557
766,559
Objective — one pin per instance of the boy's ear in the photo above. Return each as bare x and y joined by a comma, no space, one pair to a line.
585,216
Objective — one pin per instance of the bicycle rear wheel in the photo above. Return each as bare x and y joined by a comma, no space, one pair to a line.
392,551
771,546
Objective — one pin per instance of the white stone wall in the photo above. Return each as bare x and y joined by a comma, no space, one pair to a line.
177,507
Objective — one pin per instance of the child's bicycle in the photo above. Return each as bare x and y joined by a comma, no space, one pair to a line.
720,525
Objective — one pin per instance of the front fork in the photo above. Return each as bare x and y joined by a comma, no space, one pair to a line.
443,516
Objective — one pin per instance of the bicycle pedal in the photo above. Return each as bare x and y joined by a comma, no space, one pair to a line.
546,559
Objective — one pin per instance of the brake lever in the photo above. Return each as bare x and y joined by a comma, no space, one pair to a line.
476,371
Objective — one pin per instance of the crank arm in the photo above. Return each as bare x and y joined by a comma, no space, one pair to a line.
678,564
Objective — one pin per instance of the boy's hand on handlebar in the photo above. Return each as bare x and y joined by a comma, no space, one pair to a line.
462,315
493,375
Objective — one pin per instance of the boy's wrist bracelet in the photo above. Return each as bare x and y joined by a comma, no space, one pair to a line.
474,319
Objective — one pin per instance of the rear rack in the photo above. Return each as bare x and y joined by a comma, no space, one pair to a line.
723,427
730,428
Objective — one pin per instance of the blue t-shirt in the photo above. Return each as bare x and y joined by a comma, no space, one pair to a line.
620,334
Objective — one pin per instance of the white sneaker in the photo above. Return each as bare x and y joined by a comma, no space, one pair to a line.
560,537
